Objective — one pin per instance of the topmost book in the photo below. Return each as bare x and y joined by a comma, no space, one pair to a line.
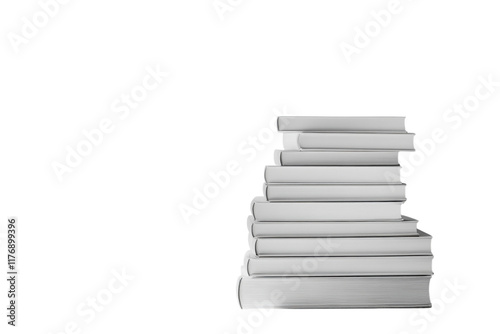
341,124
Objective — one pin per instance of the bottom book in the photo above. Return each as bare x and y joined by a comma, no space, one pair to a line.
334,292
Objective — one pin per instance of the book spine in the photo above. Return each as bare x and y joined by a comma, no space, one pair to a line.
238,291
278,157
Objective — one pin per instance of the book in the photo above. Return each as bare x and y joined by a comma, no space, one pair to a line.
310,192
328,232
341,124
338,266
405,227
334,292
344,246
349,141
332,174
324,211
335,158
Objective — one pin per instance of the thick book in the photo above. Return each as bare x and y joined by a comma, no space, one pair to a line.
344,246
290,229
335,158
338,266
341,124
349,141
334,292
310,192
263,210
332,174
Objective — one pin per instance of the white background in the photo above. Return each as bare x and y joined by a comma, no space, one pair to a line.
119,208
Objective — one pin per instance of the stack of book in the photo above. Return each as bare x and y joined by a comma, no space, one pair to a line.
328,232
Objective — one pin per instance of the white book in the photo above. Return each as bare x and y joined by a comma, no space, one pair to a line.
304,192
349,141
336,158
338,266
263,210
334,292
348,246
404,227
332,174
339,124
